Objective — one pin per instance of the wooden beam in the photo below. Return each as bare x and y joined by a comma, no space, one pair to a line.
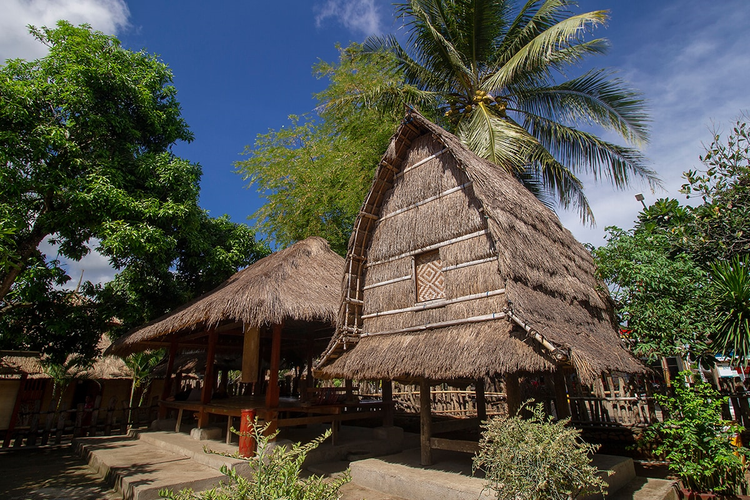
208,377
454,445
425,420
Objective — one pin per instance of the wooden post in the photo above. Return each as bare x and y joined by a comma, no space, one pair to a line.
425,420
512,393
387,395
665,371
349,386
481,403
166,391
16,408
208,377
561,394
309,379
272,393
250,355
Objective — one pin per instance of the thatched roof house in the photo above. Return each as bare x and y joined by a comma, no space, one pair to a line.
456,271
296,287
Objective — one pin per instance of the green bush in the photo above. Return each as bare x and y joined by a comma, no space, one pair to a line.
697,441
536,458
275,475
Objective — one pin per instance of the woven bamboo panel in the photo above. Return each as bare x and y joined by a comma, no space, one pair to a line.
430,280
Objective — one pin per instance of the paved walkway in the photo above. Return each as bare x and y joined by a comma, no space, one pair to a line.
49,474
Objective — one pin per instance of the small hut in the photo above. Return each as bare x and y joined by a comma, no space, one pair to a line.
284,302
456,272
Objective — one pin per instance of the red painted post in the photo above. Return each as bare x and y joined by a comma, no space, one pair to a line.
247,438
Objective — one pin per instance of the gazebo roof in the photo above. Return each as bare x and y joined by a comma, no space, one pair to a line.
294,285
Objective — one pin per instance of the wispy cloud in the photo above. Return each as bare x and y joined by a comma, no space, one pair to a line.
359,16
93,267
108,16
693,69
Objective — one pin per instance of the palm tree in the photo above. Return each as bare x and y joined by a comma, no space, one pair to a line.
731,300
488,67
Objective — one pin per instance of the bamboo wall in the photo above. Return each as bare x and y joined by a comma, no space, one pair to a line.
431,207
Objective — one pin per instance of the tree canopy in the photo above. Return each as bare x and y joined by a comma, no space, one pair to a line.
85,138
315,172
681,277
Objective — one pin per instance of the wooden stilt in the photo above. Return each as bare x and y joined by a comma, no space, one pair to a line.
272,393
167,390
512,393
425,419
349,386
387,395
208,377
481,402
16,408
250,355
309,379
562,404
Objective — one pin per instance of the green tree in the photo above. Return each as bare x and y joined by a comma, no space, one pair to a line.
659,290
315,173
496,70
730,298
85,138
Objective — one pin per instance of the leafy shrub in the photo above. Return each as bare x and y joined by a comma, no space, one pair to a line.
536,458
275,475
697,442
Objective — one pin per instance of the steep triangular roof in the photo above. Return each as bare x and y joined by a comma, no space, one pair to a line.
558,310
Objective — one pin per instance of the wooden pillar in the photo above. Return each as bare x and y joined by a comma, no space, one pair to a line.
272,393
481,402
387,395
250,355
665,371
309,379
208,377
512,393
16,409
425,420
349,386
562,405
167,390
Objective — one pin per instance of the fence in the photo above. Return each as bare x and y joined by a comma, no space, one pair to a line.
38,428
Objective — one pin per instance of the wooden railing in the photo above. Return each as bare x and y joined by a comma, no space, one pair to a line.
40,428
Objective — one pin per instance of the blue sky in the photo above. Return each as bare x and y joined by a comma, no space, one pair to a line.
241,67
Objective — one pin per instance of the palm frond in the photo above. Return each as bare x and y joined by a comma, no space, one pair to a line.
593,98
586,152
540,52
495,138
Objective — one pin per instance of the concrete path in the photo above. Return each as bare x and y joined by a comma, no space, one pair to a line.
55,473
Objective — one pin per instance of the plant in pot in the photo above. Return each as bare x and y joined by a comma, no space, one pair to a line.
698,443
536,458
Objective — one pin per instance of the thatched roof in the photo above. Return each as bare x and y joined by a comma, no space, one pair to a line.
544,280
297,284
103,368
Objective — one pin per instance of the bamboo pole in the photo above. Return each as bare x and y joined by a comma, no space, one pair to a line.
167,389
387,395
561,394
208,377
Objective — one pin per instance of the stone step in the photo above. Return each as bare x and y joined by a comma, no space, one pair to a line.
138,469
401,476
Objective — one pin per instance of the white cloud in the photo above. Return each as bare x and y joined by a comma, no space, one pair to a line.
107,16
94,267
694,76
360,16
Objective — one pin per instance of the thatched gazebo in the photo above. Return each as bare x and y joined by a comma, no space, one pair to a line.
456,272
286,300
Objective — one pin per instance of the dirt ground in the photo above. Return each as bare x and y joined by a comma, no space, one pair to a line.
49,474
